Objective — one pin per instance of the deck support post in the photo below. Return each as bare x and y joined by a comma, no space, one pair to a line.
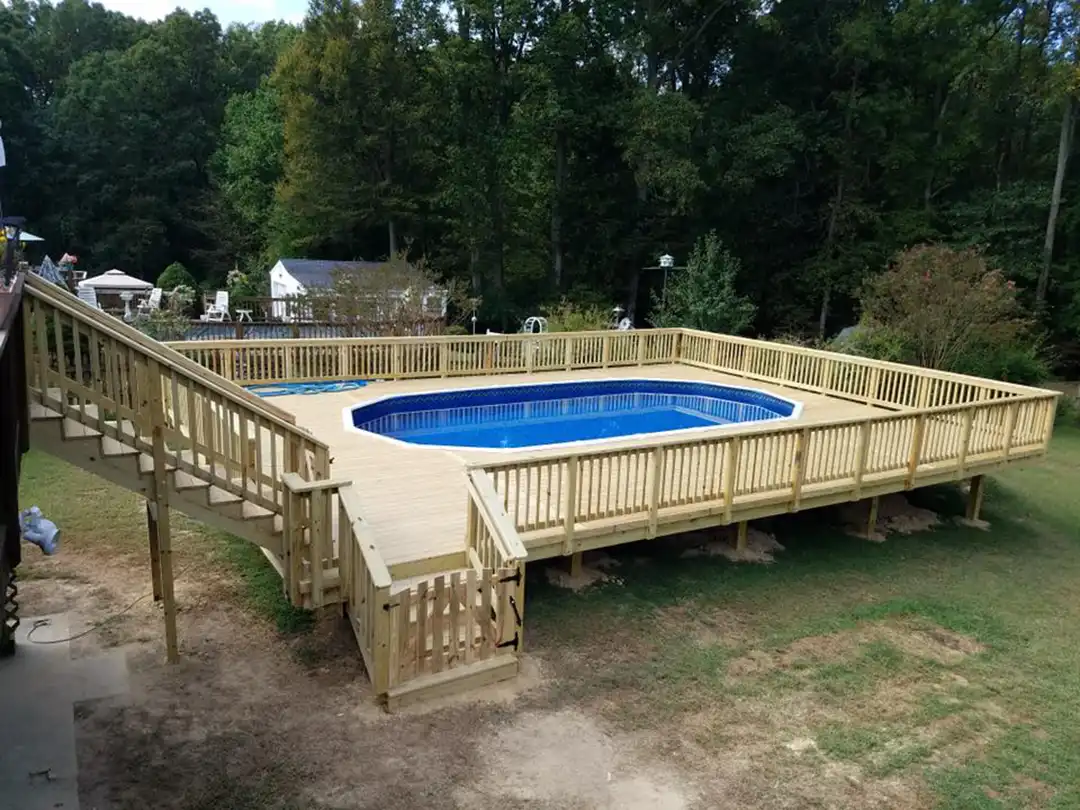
871,518
158,516
158,508
975,497
741,535
575,564
155,551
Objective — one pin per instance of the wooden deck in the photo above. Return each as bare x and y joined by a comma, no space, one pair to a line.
414,498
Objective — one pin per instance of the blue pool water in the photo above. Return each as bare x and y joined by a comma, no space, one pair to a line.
555,413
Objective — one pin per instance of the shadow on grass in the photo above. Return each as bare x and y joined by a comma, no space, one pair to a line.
818,555
263,588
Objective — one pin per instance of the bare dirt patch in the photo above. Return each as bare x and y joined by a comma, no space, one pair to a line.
927,642
563,759
706,626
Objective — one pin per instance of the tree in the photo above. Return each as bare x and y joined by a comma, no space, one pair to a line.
944,308
133,132
703,296
175,275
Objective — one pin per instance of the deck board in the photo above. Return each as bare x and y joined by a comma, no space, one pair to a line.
414,497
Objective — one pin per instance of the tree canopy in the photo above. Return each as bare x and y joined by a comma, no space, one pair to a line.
537,151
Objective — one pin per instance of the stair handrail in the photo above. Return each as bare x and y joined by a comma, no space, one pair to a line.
489,505
170,358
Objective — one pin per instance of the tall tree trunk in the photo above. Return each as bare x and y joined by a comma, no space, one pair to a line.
834,213
940,106
1068,125
463,22
392,233
474,271
556,211
830,240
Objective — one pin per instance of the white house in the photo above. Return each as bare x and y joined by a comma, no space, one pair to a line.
294,277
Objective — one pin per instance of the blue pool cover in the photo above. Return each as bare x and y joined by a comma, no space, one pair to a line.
555,413
286,389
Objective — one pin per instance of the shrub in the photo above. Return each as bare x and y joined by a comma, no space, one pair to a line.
947,309
568,317
703,295
1068,410
175,275
457,330
170,322
395,301
252,284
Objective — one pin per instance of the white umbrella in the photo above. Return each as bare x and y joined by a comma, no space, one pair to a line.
116,281
29,237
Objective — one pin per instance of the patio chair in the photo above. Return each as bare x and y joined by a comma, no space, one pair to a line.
151,303
88,295
219,310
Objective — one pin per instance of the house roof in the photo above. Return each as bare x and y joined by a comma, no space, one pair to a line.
319,272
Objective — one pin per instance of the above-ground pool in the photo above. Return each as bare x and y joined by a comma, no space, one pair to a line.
514,416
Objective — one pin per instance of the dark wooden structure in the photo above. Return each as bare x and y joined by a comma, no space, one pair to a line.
14,442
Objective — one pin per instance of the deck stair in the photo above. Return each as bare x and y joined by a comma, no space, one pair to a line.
122,406
117,458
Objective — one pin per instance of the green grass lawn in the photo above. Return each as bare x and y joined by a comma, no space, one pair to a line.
949,659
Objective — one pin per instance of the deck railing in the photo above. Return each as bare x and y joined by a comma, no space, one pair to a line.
421,626
256,361
567,496
875,382
108,376
311,569
366,589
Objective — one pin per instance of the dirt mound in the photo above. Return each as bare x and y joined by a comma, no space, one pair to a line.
760,546
594,570
895,515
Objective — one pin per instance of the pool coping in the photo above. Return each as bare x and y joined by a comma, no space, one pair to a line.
346,417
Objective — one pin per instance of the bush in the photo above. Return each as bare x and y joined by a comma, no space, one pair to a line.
252,284
175,275
457,330
703,296
568,317
947,309
170,322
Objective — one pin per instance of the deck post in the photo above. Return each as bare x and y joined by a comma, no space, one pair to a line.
871,519
741,536
159,509
570,504
155,551
575,564
975,497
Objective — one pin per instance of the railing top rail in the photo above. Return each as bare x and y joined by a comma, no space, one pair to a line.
64,301
373,561
352,341
855,359
490,503
758,430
